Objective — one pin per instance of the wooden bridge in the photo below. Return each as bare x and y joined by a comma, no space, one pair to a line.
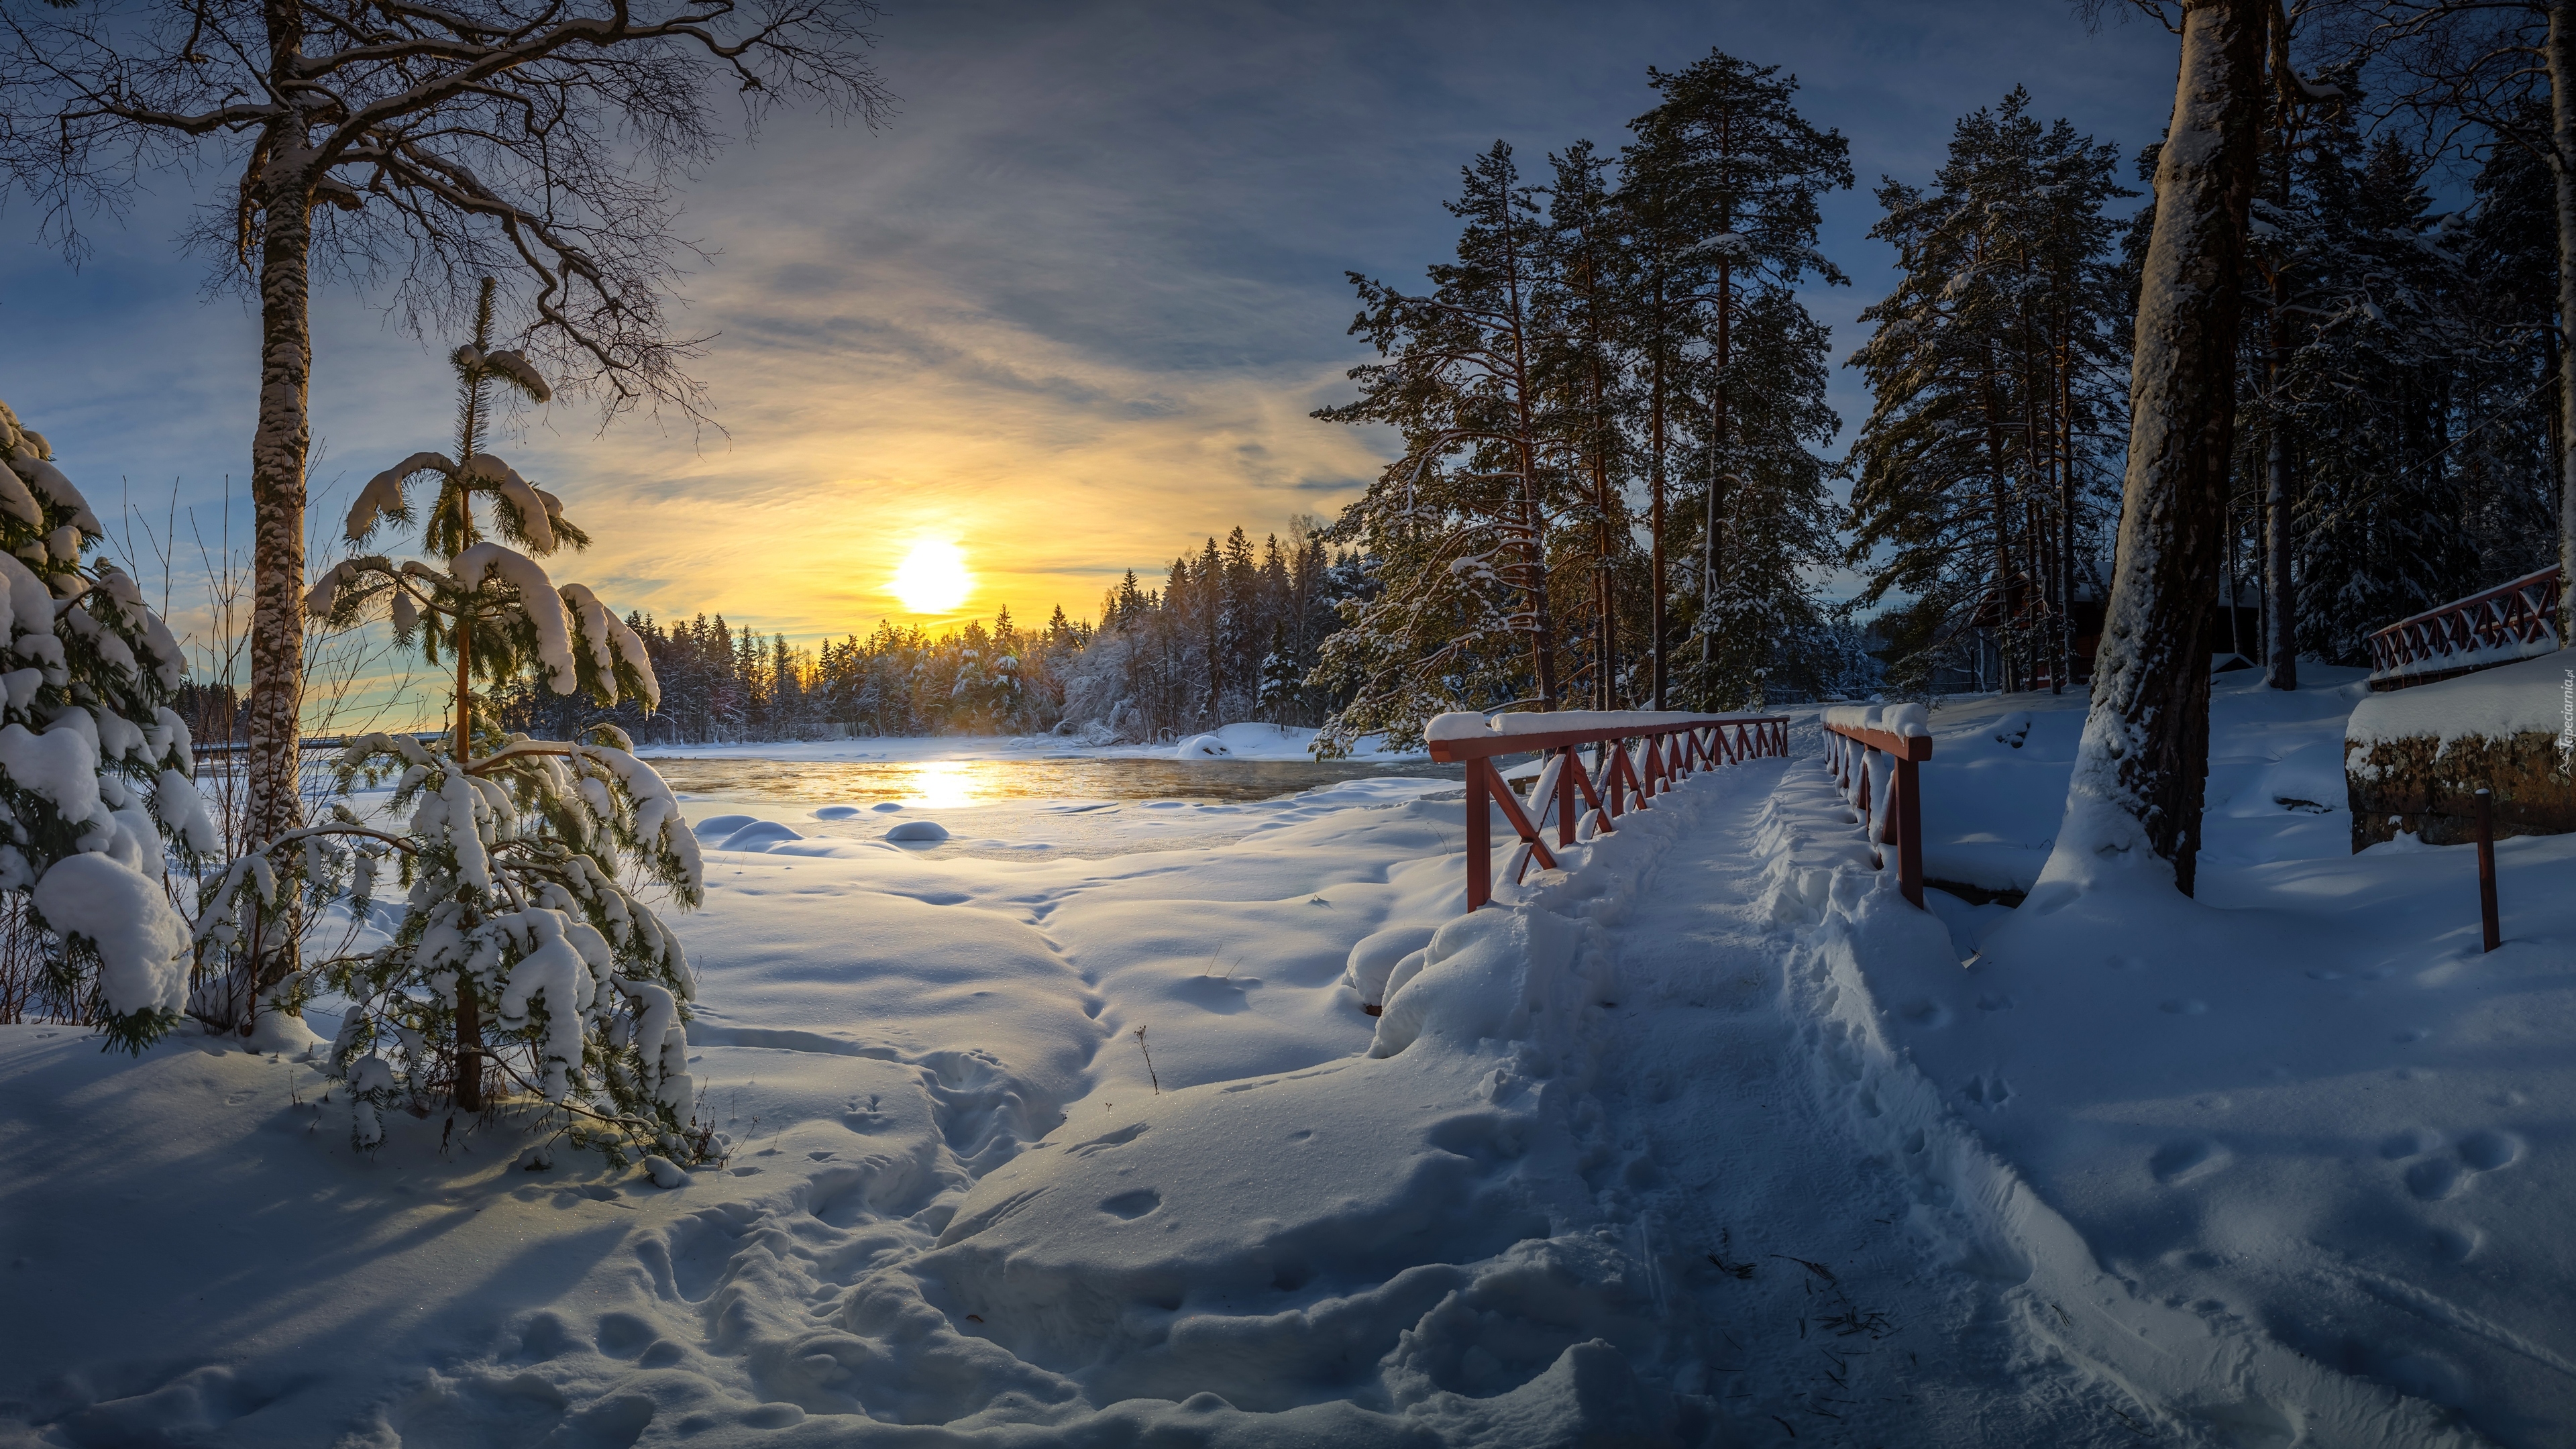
2509,622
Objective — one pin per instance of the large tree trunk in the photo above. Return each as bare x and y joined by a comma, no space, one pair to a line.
277,455
2144,763
1655,525
2562,155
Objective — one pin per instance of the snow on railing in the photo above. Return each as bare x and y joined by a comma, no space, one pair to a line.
1640,753
2509,622
1895,738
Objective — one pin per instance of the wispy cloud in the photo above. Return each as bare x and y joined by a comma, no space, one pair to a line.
1071,309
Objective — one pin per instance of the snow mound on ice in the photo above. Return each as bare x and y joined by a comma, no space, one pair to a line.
717,827
1202,747
836,812
759,835
917,831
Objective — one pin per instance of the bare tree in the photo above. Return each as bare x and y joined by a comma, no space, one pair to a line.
2477,73
2144,762
410,147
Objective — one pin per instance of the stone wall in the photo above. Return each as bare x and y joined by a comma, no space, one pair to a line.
2414,760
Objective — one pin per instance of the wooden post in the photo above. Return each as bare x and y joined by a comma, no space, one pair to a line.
1909,832
1567,803
1480,842
2486,871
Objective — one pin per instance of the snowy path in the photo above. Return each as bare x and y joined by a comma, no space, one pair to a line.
1733,1156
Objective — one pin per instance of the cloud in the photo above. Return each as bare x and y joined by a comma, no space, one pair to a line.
1071,308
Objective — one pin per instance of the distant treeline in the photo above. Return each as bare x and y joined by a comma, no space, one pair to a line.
1230,636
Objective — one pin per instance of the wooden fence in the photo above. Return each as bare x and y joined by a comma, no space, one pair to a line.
2511,621
1892,740
1637,757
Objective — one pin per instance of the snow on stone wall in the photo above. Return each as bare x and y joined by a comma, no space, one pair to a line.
2414,759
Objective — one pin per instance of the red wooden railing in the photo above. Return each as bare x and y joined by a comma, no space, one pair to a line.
1857,740
2508,622
1637,760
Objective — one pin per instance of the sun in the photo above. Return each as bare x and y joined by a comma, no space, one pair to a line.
933,579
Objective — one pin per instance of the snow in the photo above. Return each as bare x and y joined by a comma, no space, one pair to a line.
535,523
141,942
2532,696
61,764
1706,1137
537,597
48,481
16,500
1894,719
384,492
917,830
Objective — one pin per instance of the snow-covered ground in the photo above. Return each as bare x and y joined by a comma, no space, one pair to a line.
1708,1138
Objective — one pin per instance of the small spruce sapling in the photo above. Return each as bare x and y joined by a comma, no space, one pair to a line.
95,767
520,950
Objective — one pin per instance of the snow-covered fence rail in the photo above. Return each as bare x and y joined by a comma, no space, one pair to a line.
1873,751
1639,754
2509,622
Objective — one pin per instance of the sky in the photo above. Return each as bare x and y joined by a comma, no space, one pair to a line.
1068,309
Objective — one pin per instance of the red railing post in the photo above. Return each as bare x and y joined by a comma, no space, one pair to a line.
2486,871
1480,843
1909,831
1566,769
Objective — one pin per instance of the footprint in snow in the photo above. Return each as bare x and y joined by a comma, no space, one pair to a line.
1132,1205
2434,1178
2186,1161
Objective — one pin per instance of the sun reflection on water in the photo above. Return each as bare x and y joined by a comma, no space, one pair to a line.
944,785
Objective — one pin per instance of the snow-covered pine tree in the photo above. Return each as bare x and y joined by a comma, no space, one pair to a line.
1993,366
2373,392
1457,526
94,765
520,950
1728,177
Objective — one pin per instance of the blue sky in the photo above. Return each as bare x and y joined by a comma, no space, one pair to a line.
1068,309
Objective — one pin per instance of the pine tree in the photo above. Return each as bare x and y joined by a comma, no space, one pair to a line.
1457,526
1728,177
95,793
1992,367
520,951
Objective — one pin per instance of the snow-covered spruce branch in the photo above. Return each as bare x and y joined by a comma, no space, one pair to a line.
95,788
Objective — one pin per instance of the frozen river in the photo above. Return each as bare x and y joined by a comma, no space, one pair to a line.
1036,807
963,783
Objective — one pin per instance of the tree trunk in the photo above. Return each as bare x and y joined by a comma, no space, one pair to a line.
1655,524
1997,469
2281,612
277,452
2066,509
2281,600
1716,468
2562,157
2144,763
